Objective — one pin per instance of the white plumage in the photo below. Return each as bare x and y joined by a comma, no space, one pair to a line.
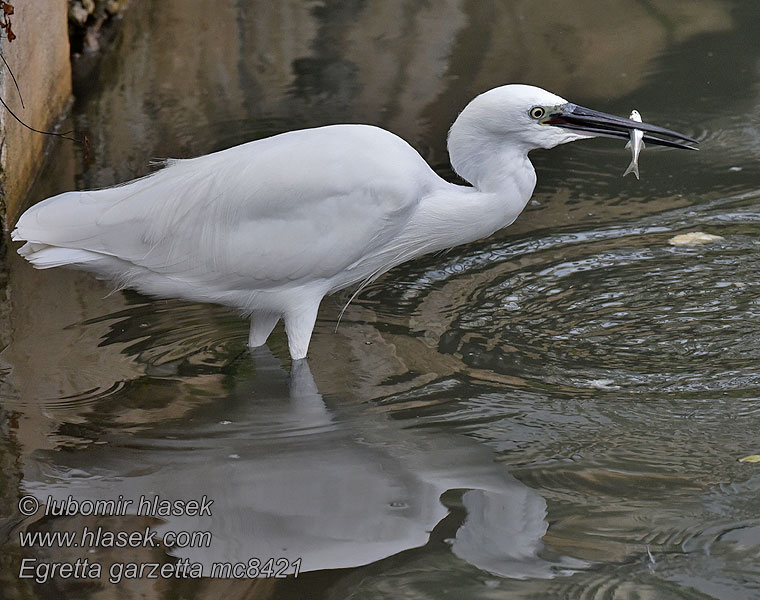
272,226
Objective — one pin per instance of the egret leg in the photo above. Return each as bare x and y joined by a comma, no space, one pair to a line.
262,324
299,325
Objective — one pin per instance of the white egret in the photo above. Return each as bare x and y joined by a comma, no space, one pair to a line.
272,226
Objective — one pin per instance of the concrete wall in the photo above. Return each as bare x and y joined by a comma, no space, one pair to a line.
39,57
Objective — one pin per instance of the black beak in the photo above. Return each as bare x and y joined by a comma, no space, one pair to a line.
595,123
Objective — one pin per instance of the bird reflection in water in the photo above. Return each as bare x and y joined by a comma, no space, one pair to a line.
298,479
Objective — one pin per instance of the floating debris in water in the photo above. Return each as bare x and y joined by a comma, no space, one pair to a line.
751,458
603,384
695,238
652,562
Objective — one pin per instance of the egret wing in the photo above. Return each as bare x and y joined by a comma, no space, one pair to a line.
296,207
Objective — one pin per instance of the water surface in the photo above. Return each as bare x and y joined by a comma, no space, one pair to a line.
554,412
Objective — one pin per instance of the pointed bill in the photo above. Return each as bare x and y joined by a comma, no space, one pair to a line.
598,124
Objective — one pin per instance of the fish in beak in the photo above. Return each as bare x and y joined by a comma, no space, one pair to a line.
598,124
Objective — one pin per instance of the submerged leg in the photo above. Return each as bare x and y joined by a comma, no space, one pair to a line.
262,324
299,325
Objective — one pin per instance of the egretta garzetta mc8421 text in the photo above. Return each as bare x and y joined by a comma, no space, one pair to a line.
272,226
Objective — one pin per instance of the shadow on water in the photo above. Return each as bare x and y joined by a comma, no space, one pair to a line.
553,412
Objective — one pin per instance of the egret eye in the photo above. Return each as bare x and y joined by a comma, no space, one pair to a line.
537,112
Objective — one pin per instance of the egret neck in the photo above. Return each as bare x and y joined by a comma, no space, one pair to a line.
500,172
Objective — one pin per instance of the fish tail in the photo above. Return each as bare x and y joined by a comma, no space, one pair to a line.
632,168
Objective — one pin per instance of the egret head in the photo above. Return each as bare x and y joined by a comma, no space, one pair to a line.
530,117
513,114
511,120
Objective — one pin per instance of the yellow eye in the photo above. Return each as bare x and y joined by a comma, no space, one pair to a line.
537,112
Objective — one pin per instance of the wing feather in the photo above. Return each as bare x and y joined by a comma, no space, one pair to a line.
297,207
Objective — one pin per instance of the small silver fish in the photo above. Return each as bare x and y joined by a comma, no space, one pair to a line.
635,144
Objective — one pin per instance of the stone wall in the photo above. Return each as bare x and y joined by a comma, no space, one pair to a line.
39,58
